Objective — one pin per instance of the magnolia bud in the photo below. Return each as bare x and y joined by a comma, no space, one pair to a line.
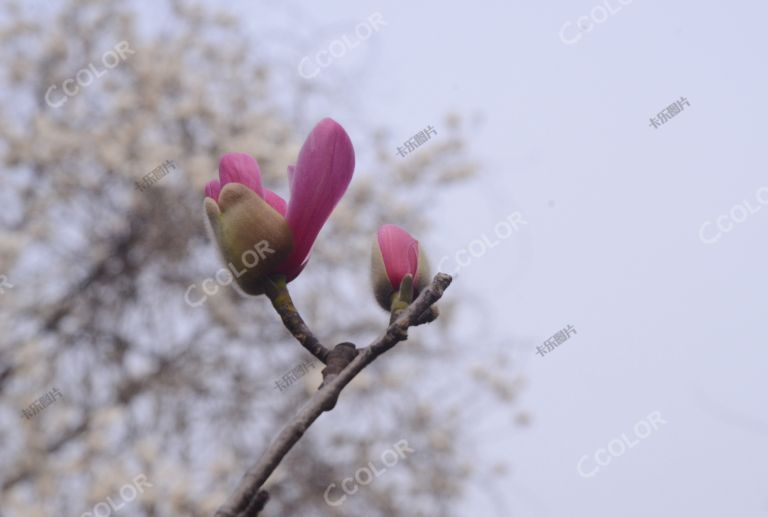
253,237
395,256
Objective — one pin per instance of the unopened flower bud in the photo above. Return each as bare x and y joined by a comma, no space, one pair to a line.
254,238
395,256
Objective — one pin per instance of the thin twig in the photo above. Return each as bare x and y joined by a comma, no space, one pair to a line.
277,290
325,398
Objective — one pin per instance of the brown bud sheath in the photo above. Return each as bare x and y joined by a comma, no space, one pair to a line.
253,237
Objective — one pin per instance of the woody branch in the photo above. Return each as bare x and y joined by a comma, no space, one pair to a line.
249,498
277,291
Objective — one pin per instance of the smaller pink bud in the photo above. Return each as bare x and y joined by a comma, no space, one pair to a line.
396,254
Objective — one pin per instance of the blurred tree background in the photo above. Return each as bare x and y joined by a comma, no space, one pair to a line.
186,395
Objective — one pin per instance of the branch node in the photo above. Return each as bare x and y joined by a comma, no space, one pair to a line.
344,362
338,359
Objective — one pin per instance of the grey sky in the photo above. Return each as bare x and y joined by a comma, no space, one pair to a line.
665,321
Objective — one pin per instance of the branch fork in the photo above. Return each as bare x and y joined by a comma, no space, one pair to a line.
343,363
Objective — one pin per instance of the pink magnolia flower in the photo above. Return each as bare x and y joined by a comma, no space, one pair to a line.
244,214
396,254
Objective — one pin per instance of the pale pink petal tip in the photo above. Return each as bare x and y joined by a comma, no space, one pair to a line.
241,168
213,189
275,201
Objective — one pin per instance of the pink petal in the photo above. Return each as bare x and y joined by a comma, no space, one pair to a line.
322,175
275,201
213,189
291,175
294,271
400,252
241,168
